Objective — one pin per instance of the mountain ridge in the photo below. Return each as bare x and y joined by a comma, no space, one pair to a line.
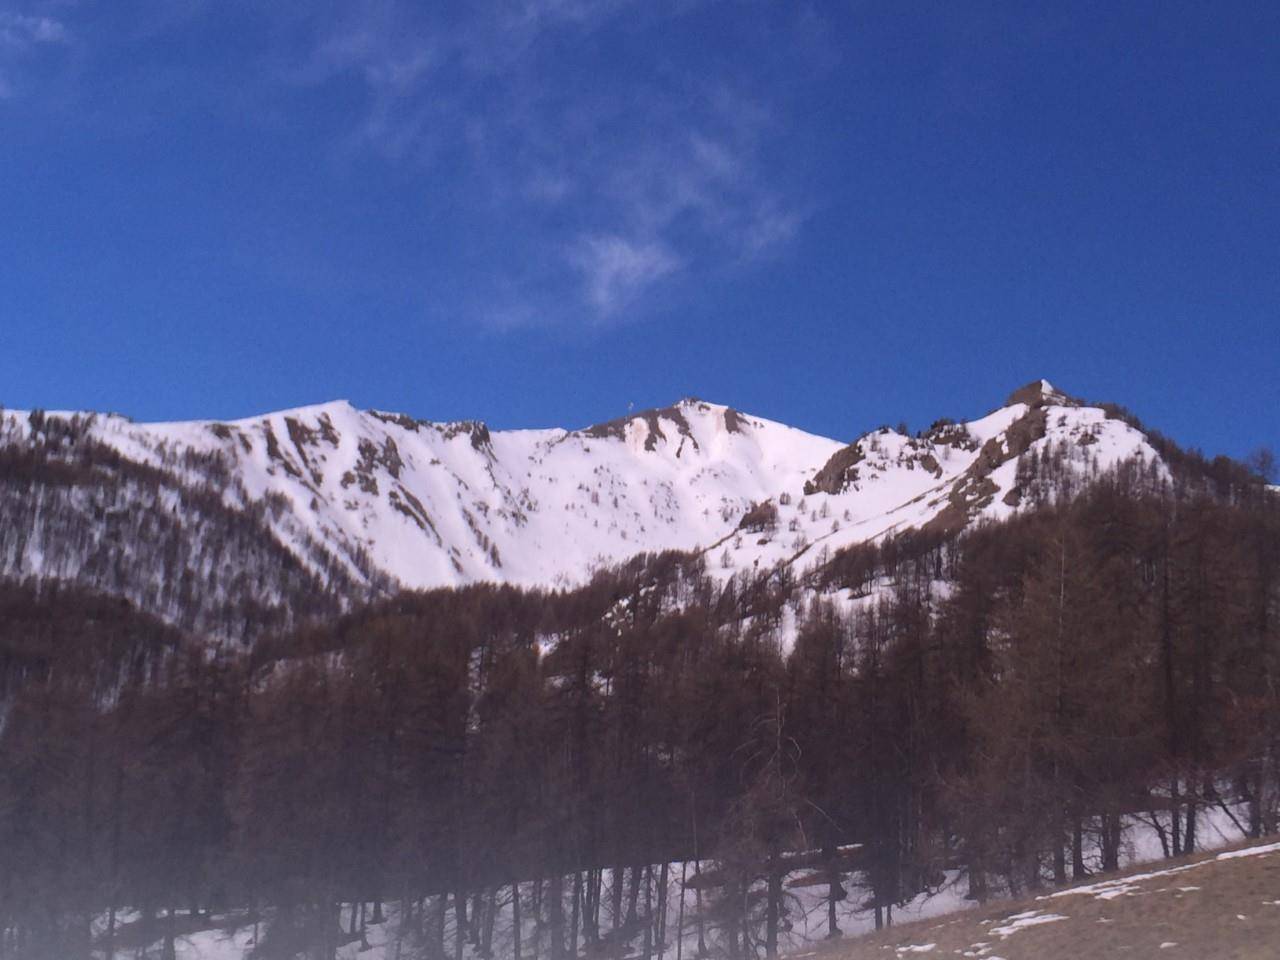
358,504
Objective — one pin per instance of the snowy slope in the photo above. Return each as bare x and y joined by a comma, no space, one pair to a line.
426,504
953,474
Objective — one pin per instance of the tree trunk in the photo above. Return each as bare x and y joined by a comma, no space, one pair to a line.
633,897
733,923
169,949
575,917
109,949
460,923
774,906
555,915
1175,814
477,918
516,920
537,916
490,914
1255,799
619,877
664,880
1078,871
648,912
702,923
439,914
1110,842
591,910
406,919
117,803
684,868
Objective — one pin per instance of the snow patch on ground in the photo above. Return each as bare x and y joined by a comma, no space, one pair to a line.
1020,921
1126,886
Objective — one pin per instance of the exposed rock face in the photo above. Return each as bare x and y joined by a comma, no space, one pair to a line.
1039,393
838,473
652,421
975,490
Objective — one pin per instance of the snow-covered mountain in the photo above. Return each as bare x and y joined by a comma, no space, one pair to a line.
331,498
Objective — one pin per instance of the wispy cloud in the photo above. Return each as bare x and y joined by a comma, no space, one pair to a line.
18,30
644,174
595,152
615,269
22,38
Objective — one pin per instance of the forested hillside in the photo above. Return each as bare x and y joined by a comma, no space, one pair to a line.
179,538
993,706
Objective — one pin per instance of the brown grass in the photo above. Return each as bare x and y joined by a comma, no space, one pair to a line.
1210,910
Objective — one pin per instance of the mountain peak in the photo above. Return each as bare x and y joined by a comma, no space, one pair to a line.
677,417
1038,393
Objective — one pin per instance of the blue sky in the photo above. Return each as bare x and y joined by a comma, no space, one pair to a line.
540,212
